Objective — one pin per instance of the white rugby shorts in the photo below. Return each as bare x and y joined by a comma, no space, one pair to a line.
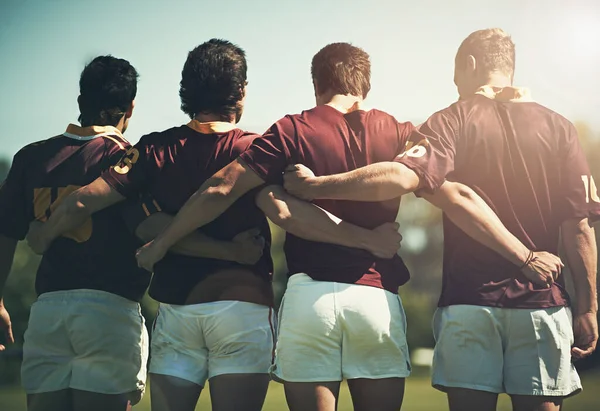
331,331
200,341
503,350
87,340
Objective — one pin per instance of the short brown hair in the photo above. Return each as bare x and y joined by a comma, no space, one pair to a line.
343,69
493,49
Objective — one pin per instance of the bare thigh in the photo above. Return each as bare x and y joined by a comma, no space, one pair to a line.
50,401
383,394
312,396
462,399
238,392
169,393
532,403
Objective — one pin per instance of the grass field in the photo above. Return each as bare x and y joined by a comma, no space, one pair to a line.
419,397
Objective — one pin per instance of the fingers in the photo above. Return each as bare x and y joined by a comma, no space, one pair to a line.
2,347
292,168
579,353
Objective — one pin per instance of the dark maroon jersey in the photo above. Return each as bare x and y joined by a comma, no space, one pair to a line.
330,142
100,255
526,162
170,166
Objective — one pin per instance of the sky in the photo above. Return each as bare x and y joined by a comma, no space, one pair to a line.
44,45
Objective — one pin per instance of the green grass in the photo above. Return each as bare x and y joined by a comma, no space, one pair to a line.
419,397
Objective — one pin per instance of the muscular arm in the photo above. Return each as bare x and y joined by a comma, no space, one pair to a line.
73,211
579,243
312,223
215,196
472,215
375,182
195,244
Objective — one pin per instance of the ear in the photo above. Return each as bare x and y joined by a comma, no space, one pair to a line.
316,87
471,64
129,111
79,102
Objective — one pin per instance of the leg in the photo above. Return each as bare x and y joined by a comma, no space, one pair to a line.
531,403
461,399
387,393
173,394
375,358
238,392
179,361
50,401
312,396
93,401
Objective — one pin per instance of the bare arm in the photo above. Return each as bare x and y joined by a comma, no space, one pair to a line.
215,196
244,249
7,253
579,242
375,182
311,222
72,212
472,215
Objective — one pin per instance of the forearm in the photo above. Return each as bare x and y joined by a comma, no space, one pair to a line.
376,182
579,243
202,207
7,252
472,215
195,244
307,221
70,214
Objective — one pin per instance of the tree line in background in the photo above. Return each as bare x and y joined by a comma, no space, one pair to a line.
420,225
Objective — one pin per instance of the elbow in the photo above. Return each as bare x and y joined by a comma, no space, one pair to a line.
405,180
271,200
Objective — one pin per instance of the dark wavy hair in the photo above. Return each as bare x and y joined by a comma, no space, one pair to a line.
107,87
343,69
213,80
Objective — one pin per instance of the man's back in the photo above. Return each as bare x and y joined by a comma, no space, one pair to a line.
330,142
170,166
100,254
526,162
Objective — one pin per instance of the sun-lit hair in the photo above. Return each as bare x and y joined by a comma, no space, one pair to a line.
343,69
493,50
213,79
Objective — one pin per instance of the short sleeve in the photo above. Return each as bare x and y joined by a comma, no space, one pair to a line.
578,196
129,174
430,149
269,154
14,217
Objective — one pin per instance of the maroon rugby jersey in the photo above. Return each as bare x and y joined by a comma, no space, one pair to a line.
526,162
100,255
170,166
329,142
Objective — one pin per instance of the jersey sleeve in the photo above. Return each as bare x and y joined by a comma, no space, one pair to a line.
430,149
578,196
14,217
129,173
269,154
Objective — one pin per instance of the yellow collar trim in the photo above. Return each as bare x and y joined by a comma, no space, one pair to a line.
88,133
210,127
506,94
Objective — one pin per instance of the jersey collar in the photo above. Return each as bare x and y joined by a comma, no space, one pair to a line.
211,127
88,133
506,94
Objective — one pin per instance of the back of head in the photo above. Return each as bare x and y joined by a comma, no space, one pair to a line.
493,50
107,87
342,68
213,80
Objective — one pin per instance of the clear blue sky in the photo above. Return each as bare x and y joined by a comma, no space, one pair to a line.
44,45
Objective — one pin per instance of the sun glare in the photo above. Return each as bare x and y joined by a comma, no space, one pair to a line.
586,38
